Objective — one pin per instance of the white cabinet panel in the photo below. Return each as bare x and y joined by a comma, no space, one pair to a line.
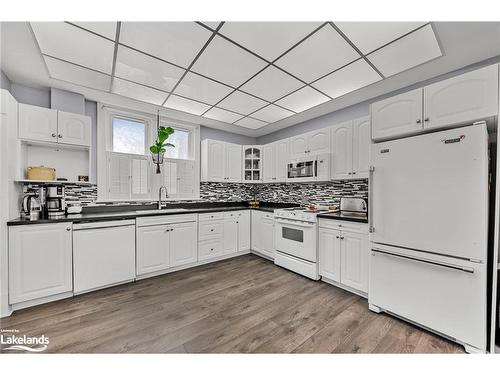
233,162
354,260
329,254
216,161
256,240
341,151
210,249
318,142
269,172
153,249
37,123
211,229
399,115
281,159
230,235
267,236
298,146
361,141
40,261
467,97
220,161
183,243
73,128
243,230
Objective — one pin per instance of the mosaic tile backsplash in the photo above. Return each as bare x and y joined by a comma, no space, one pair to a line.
302,193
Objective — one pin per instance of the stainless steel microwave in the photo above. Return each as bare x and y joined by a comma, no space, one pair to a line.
312,168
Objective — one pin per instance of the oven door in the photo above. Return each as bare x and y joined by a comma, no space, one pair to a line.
302,170
296,238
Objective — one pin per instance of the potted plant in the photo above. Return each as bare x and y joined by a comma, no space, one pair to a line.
159,147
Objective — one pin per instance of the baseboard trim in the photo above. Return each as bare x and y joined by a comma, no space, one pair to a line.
345,287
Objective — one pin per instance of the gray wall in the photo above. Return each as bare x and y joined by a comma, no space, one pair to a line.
360,109
4,82
222,135
30,95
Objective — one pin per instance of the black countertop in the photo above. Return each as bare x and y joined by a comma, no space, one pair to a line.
345,216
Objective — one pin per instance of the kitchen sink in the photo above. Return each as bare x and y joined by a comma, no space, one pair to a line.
164,210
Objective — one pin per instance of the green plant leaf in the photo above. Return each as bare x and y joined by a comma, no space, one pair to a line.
169,145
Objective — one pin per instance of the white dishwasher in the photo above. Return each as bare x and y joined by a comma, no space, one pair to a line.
103,254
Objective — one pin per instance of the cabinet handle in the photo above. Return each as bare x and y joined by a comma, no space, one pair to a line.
211,230
211,249
419,121
59,136
237,222
53,135
353,172
341,238
426,119
337,236
68,229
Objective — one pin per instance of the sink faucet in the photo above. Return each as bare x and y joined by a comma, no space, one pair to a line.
162,187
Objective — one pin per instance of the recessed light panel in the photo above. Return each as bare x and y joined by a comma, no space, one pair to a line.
241,103
186,105
303,99
222,115
106,29
138,92
203,89
271,113
250,123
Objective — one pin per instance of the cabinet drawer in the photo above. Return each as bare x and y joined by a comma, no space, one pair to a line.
235,214
343,225
164,219
210,249
211,229
211,216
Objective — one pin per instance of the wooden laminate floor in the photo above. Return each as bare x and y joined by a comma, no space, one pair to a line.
240,305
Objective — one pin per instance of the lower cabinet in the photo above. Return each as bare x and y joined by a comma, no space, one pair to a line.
343,254
40,261
263,233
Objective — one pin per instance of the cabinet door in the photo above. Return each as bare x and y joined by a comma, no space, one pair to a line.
281,159
267,237
233,163
183,243
216,161
318,142
268,153
341,166
243,220
230,235
399,115
467,97
37,123
40,261
354,260
329,253
298,146
73,129
153,249
361,147
256,217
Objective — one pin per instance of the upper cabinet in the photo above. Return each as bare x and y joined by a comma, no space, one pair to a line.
220,161
361,147
459,100
49,125
313,143
252,164
468,97
397,116
276,156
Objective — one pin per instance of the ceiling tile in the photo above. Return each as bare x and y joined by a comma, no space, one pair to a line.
352,77
271,113
268,39
144,69
241,103
250,123
106,29
322,53
211,24
70,43
138,92
405,53
186,105
368,36
271,84
302,99
222,115
203,89
75,74
176,42
227,63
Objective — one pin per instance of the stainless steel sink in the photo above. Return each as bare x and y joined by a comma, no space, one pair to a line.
164,210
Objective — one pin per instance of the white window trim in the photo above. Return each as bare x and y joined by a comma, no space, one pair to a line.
105,114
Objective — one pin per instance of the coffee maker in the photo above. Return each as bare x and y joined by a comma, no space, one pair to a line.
55,203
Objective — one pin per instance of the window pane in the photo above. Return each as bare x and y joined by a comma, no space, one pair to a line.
129,136
180,139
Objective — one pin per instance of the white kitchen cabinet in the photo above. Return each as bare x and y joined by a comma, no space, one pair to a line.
329,253
341,166
211,240
243,230
183,243
354,260
252,164
220,161
468,97
73,129
236,231
37,123
400,115
256,217
40,261
276,158
267,236
153,249
312,143
49,125
361,142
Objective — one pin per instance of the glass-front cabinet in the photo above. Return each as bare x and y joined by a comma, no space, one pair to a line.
252,164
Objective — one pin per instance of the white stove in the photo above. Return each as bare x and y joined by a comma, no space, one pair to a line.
299,214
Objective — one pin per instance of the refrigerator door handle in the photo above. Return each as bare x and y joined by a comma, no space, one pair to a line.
370,198
458,268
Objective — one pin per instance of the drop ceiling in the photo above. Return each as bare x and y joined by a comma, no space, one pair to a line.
246,77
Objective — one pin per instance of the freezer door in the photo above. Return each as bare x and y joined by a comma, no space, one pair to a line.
430,192
448,297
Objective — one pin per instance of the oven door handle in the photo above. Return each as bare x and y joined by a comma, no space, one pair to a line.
303,224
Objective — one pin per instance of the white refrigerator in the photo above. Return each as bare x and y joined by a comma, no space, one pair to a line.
429,224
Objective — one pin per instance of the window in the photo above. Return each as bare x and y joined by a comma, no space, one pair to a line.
181,140
129,136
